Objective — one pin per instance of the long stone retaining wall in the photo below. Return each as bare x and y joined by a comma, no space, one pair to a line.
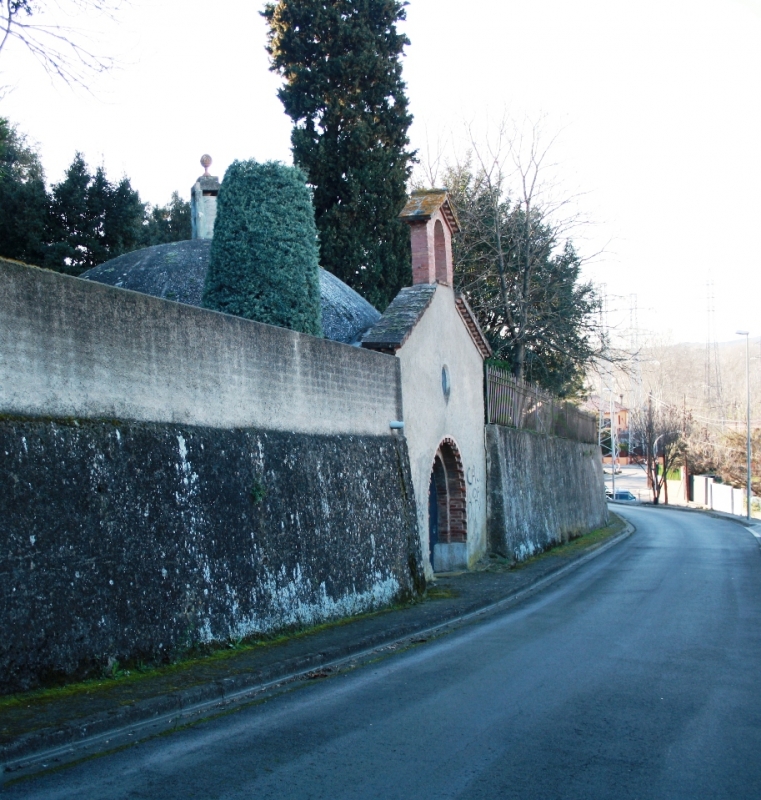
172,477
136,542
541,491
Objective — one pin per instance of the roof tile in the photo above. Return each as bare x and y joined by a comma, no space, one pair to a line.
394,327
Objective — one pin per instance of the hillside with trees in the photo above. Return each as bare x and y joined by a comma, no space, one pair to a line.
701,389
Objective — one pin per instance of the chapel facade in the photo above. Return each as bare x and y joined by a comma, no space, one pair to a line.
434,333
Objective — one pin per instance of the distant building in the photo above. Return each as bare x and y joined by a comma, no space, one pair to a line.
602,408
620,413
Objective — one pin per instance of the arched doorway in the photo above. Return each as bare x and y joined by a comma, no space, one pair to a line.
447,513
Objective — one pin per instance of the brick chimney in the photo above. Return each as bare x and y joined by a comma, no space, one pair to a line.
432,222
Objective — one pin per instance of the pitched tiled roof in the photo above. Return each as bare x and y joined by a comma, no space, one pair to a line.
396,324
594,404
394,327
476,334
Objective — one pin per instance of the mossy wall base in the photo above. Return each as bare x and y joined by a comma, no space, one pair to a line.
139,541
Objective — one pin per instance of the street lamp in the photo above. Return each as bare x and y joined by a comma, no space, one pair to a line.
613,442
746,334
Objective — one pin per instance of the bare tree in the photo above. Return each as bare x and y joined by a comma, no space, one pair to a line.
734,459
514,258
659,430
63,51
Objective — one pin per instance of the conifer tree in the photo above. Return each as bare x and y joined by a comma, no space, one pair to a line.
92,220
344,92
24,202
264,261
169,223
84,221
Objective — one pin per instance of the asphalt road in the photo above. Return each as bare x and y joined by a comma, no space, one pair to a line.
637,676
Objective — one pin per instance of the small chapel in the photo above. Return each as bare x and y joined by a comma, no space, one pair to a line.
434,333
178,476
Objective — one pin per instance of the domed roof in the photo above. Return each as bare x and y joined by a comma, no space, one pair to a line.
177,271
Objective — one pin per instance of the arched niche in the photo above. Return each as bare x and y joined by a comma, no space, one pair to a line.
440,252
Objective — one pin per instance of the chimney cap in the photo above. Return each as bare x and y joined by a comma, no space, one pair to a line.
424,203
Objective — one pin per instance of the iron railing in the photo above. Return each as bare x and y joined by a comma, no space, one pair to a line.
519,404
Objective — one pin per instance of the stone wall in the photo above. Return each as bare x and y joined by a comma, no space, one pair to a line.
541,491
138,541
74,348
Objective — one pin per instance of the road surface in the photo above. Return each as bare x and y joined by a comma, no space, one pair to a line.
637,676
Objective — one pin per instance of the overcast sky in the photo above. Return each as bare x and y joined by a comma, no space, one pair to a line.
657,108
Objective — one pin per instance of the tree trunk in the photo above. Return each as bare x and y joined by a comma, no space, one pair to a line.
656,483
519,362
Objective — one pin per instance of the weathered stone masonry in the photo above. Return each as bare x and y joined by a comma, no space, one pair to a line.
541,491
74,348
137,541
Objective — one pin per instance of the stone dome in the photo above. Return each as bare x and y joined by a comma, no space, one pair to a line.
177,271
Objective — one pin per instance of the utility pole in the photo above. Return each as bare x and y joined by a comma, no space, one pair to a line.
613,442
746,334
713,398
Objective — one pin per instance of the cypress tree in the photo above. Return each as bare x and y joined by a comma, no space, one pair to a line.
345,94
264,262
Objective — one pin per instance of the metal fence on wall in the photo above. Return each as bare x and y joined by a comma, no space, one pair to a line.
518,404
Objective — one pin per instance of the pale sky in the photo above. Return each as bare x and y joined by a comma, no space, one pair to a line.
657,107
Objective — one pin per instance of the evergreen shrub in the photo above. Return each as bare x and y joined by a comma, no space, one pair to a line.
264,262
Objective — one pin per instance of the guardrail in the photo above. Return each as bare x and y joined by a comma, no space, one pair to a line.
519,404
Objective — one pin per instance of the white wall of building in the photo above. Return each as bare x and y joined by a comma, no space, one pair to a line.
440,339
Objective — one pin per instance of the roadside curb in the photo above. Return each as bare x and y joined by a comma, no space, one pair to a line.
147,717
755,523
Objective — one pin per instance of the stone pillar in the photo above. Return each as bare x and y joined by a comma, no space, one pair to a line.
203,202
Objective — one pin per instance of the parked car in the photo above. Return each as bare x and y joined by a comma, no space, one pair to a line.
624,496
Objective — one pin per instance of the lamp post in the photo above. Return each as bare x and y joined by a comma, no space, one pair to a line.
613,443
746,334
